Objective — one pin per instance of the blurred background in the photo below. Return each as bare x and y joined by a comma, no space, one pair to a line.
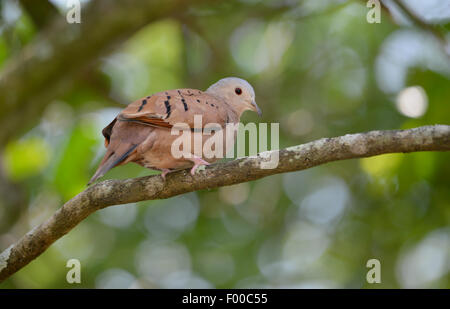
318,68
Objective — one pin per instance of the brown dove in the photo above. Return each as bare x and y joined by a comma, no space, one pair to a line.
141,133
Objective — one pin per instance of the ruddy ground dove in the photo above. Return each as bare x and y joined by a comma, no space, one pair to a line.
141,133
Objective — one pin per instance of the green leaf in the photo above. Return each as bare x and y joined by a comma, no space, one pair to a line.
26,158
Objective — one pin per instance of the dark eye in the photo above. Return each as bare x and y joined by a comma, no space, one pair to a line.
238,91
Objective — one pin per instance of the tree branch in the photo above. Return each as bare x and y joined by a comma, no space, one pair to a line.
296,158
419,22
41,13
48,66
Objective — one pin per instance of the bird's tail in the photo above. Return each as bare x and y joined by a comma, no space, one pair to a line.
113,157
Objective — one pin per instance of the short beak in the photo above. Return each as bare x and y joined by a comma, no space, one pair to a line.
256,108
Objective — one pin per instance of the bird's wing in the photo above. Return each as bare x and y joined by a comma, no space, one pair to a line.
165,109
121,141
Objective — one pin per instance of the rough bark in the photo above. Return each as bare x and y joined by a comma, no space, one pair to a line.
296,158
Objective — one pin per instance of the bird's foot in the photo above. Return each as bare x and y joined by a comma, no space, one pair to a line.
197,162
164,171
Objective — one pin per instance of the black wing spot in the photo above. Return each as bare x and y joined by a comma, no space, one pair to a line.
198,101
184,104
183,101
212,105
142,105
168,108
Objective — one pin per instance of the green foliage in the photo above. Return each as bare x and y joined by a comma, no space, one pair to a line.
317,70
25,158
72,175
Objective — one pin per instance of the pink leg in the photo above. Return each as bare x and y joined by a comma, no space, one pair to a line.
197,162
164,171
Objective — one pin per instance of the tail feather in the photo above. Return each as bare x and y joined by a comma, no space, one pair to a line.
111,159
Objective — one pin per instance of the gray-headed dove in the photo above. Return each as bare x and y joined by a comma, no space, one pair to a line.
141,133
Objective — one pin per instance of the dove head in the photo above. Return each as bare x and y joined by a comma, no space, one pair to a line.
236,92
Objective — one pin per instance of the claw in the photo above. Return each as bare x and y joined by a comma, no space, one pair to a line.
165,171
197,162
